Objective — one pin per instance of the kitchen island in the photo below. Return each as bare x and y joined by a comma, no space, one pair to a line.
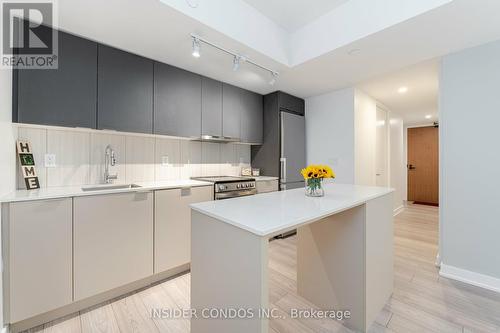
344,254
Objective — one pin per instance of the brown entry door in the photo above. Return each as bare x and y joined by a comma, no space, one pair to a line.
423,165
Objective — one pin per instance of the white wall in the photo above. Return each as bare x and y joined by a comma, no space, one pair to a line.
397,159
140,158
7,147
330,132
470,160
365,127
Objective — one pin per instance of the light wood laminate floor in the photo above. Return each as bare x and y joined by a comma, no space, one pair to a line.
422,301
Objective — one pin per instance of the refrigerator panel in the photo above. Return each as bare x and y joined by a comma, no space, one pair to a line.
293,147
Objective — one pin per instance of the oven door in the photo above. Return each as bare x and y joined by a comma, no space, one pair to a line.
234,194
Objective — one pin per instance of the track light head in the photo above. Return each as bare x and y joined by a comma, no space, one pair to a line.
236,63
196,47
274,76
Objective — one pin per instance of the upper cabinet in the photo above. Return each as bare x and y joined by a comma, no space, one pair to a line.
291,103
177,108
211,107
100,87
60,97
231,111
252,117
125,91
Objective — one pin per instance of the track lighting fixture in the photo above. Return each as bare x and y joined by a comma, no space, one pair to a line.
237,58
236,63
196,47
274,76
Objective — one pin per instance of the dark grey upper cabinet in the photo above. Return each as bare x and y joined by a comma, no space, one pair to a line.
252,118
125,91
291,103
231,110
61,97
177,102
211,107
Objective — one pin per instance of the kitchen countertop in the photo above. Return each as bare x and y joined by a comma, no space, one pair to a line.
263,178
276,212
76,191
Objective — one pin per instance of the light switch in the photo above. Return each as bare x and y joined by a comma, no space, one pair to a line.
50,160
164,160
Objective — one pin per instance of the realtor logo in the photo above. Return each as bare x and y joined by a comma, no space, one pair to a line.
28,40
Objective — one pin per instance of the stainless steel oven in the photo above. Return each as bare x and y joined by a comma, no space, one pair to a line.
226,187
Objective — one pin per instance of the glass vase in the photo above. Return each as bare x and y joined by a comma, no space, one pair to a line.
314,187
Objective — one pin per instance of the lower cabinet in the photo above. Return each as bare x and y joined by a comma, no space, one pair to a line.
267,186
173,225
113,241
37,252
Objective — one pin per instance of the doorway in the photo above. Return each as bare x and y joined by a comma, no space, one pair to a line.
423,165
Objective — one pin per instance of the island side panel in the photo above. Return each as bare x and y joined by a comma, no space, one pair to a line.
379,255
330,264
229,269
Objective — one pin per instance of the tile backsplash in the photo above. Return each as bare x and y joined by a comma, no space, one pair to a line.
80,157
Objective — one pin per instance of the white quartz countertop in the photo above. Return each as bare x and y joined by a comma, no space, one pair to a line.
273,213
76,191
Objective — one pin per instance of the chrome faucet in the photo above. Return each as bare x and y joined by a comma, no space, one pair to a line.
109,160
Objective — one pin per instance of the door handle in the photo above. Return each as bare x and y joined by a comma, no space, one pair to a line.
411,167
283,169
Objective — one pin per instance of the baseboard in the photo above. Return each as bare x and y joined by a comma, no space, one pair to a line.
473,278
398,210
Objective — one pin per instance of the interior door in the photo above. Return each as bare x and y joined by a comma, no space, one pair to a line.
293,147
423,165
381,152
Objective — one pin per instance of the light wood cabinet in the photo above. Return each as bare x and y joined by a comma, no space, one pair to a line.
37,243
173,225
267,186
113,241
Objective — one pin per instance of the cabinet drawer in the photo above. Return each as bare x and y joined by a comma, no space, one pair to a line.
39,244
267,186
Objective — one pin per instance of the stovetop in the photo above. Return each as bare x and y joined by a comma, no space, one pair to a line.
223,179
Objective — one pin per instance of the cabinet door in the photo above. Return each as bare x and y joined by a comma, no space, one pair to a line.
211,107
65,96
266,186
113,241
173,225
177,102
231,111
291,103
125,91
252,118
39,243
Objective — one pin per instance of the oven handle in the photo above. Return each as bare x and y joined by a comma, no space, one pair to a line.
234,194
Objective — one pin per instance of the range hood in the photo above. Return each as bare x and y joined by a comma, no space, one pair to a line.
217,138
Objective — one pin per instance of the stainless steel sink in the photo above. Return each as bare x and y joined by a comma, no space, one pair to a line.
107,187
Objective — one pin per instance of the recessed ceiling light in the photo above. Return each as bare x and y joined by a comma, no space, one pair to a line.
403,90
428,116
196,48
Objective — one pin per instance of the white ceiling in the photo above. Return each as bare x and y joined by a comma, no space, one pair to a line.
294,14
422,81
153,29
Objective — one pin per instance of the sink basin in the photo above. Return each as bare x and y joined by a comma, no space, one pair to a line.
107,187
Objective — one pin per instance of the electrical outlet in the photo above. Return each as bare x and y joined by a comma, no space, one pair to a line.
164,160
50,160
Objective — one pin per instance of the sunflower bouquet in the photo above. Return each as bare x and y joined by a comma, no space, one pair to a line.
314,175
